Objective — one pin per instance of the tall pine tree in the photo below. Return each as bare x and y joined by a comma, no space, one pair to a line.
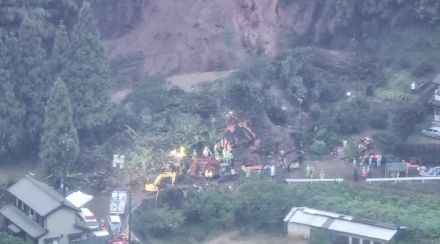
59,146
29,74
11,111
88,76
60,51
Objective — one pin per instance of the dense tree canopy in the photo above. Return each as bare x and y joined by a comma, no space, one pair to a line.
11,110
11,115
60,51
59,143
88,75
30,76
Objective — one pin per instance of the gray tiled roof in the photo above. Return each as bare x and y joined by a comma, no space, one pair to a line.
342,223
23,221
436,80
39,196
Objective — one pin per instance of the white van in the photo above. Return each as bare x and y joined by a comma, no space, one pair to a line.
89,218
114,224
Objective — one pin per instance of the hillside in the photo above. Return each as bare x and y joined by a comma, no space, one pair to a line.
192,36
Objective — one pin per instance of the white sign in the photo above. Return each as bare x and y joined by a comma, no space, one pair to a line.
118,161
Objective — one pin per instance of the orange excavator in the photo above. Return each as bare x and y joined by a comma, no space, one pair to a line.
204,167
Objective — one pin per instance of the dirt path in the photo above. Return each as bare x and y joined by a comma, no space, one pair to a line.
236,238
189,82
119,95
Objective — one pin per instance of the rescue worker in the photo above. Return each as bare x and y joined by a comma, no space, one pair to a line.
312,172
217,152
194,155
364,172
308,171
321,174
272,171
354,162
207,152
379,161
227,154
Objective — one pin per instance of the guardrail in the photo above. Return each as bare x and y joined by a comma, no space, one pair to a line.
423,179
313,180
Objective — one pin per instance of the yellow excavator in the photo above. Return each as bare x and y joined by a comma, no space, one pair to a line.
154,187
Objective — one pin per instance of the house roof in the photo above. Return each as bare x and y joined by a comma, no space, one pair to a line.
79,198
436,80
432,101
23,221
342,223
39,196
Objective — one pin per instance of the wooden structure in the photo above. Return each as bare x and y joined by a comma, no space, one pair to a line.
396,169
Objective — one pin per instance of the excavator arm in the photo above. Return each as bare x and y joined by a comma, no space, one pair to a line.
155,186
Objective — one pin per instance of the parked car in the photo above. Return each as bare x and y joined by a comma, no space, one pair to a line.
433,131
432,172
89,218
114,224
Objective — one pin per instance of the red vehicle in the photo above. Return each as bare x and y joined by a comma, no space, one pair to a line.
119,239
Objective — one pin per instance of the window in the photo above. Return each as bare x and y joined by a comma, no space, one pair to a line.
25,209
39,219
52,241
75,237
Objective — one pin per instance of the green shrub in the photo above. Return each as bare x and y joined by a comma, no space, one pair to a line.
422,69
329,137
351,116
369,91
159,221
379,120
242,98
331,92
319,147
315,112
276,114
297,137
262,203
385,141
211,207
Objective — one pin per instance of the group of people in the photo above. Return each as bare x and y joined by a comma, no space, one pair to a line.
369,160
222,152
365,165
310,172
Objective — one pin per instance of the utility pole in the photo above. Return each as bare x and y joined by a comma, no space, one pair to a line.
118,163
129,214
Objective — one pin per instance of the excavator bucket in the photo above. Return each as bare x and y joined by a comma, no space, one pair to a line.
151,188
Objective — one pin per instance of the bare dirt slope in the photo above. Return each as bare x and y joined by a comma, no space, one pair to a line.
198,35
189,82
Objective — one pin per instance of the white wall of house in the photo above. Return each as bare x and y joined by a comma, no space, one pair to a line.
437,114
60,224
298,231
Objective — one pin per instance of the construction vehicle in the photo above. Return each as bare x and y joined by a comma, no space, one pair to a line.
203,167
154,187
213,169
